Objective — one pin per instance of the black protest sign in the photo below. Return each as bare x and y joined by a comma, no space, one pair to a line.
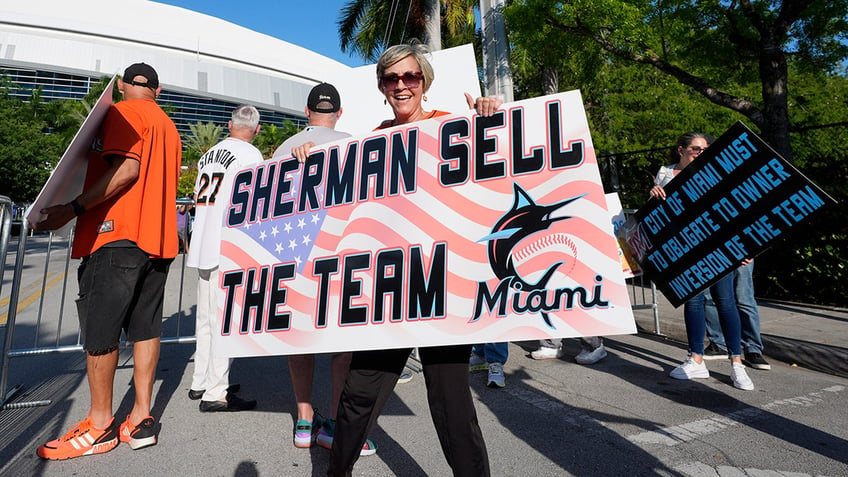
735,199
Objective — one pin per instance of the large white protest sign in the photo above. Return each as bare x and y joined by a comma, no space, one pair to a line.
66,181
453,230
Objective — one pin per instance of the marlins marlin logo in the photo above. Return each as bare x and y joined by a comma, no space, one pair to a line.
524,219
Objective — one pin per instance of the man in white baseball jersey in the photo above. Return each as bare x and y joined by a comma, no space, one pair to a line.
216,171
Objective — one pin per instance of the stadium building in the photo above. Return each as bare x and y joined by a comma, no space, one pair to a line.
206,66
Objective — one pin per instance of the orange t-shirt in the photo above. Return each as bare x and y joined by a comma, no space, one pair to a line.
391,122
145,212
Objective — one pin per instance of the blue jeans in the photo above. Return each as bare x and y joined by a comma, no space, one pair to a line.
494,352
749,316
696,322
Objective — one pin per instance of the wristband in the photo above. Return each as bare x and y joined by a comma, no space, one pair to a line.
78,209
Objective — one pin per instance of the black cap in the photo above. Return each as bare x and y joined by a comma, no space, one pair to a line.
324,99
142,69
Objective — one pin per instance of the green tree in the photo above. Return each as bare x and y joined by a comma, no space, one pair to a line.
636,111
714,48
188,177
201,137
79,110
271,136
812,266
367,27
33,136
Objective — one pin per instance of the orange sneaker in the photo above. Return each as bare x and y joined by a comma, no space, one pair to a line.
82,439
140,436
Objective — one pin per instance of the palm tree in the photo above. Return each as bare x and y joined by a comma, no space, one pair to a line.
271,136
202,136
367,27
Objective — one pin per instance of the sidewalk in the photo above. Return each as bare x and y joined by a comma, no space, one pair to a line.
797,334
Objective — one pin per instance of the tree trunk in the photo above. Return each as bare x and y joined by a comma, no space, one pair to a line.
550,80
773,75
433,24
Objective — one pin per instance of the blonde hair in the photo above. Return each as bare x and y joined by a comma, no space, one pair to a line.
396,53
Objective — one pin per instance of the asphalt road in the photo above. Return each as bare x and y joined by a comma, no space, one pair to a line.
622,416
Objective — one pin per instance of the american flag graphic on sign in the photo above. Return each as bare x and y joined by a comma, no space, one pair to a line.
383,241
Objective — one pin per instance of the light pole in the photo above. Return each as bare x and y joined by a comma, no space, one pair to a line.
495,50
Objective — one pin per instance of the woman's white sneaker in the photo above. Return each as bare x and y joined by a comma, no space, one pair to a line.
690,370
740,377
547,353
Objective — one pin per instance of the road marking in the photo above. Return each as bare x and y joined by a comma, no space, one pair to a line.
53,279
554,407
699,469
673,435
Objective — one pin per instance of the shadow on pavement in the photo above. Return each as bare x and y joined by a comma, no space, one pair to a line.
696,394
571,437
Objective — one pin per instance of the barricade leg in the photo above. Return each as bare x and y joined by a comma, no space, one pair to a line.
9,327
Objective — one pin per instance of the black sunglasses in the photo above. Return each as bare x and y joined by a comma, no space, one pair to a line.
410,79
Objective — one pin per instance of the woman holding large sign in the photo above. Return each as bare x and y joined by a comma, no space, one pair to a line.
689,147
403,76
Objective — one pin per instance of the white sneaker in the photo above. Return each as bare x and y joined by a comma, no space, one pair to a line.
496,376
477,362
405,377
547,353
690,370
740,377
591,357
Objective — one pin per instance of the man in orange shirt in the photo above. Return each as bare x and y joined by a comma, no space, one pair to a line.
127,238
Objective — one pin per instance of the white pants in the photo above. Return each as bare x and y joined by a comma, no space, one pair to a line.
211,374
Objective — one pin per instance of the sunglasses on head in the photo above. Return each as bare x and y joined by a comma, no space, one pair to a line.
410,79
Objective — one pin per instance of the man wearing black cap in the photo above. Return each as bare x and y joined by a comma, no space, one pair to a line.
126,235
323,110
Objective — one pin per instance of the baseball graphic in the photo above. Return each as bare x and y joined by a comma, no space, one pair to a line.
534,257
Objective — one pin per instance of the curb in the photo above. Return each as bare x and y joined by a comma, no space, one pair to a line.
818,357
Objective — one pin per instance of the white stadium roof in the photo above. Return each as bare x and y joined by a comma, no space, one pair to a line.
192,52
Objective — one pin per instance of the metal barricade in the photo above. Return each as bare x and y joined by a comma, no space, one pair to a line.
5,329
47,319
643,296
643,292
42,329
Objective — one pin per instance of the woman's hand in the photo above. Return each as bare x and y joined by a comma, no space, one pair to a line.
485,105
301,153
657,192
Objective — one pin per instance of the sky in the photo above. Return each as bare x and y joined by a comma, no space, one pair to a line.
307,23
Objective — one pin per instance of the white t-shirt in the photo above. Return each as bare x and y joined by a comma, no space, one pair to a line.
216,171
665,175
315,134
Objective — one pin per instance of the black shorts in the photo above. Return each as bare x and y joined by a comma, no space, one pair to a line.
120,288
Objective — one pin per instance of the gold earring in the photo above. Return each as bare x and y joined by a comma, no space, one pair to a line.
424,97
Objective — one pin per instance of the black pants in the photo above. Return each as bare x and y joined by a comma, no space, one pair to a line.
372,378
